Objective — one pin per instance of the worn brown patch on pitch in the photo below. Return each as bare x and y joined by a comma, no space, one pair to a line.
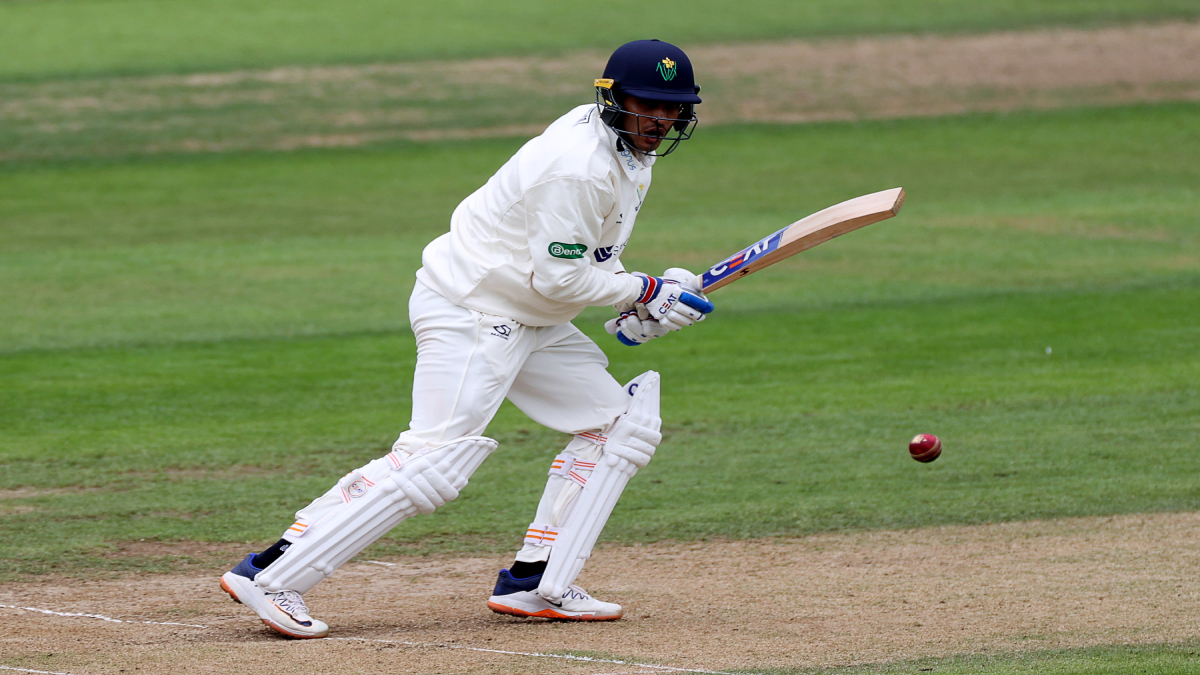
820,600
936,75
298,107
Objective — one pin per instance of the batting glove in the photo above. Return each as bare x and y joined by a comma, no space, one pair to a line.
671,303
632,330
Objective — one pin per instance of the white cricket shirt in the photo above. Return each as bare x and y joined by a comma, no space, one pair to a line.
541,240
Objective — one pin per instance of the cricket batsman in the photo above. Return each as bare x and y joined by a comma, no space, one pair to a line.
491,312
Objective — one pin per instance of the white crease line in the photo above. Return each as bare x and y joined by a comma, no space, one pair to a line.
102,617
39,671
568,657
376,562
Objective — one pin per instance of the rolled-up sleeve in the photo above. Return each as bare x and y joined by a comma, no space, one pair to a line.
564,217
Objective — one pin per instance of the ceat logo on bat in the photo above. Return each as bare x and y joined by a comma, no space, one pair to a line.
738,260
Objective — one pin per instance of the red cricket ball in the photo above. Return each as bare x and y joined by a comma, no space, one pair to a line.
925,447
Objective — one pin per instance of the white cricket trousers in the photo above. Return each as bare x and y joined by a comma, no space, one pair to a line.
468,362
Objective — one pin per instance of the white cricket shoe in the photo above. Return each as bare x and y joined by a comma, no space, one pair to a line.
519,597
283,612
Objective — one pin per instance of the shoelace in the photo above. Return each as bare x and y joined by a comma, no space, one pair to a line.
292,603
583,595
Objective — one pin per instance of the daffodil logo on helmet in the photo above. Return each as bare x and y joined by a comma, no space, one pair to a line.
666,68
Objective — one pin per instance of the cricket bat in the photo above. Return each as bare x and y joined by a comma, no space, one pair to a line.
804,234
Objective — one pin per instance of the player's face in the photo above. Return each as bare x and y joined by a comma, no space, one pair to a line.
652,131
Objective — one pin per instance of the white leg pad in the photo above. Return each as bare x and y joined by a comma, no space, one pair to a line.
629,445
366,504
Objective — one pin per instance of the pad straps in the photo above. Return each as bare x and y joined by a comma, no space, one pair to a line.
629,445
570,467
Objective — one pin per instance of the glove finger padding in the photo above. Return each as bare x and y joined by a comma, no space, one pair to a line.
613,326
675,320
632,331
696,301
691,309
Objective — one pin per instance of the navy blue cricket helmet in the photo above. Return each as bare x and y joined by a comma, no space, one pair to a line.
655,71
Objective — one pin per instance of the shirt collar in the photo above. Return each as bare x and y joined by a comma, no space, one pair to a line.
631,162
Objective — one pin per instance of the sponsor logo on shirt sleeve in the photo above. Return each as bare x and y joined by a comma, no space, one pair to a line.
567,251
605,253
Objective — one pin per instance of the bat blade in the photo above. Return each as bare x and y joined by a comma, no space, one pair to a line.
804,234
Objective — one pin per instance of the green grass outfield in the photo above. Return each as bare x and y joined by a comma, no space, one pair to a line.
54,38
194,348
1167,659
